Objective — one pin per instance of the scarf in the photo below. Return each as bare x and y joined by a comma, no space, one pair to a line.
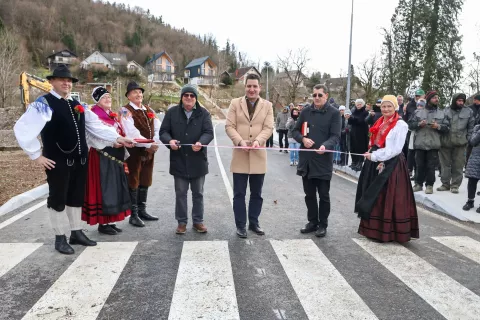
107,119
380,130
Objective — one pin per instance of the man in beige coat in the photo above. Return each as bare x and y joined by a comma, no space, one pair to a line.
249,124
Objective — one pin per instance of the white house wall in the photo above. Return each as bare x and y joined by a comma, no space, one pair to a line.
96,58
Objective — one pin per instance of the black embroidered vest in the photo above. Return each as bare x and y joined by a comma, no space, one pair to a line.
63,136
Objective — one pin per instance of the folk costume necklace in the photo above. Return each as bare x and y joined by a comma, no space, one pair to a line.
82,161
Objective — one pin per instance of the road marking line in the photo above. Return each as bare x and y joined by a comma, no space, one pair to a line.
321,289
81,291
22,214
466,246
222,168
426,212
204,287
447,296
12,254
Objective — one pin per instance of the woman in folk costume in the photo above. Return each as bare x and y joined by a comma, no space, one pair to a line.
107,199
385,201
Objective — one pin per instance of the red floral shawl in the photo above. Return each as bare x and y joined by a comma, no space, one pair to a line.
380,130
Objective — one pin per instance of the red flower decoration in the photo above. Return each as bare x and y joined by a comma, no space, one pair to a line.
150,115
79,109
113,115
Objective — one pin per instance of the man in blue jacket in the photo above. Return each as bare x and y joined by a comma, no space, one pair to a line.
318,127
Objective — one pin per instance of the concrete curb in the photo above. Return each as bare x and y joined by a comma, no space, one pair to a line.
24,198
420,198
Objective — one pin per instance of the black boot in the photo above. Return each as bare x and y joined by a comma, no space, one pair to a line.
469,205
142,205
78,237
62,246
134,219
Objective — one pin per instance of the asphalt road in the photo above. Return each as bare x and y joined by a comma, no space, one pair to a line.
152,273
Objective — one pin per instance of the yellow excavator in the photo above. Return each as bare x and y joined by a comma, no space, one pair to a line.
28,80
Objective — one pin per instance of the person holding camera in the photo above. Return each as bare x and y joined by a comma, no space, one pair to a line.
428,124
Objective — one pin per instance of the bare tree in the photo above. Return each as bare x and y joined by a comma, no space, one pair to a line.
370,77
474,73
294,66
11,63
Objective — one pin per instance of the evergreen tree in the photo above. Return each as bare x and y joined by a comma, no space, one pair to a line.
227,48
443,57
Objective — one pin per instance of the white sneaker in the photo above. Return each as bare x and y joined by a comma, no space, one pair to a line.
291,163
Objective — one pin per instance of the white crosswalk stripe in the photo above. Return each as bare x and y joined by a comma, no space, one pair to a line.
82,290
463,245
12,253
443,293
309,270
207,286
204,284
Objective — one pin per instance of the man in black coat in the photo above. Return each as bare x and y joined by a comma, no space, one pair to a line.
318,127
188,123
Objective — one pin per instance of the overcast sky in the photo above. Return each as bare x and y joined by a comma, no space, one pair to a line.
265,29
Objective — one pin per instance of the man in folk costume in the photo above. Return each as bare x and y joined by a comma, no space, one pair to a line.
140,122
63,125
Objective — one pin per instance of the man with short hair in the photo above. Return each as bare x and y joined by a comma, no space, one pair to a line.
140,122
63,125
452,152
281,128
188,123
318,127
249,125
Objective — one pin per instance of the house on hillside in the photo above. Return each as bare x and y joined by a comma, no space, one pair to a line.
240,74
134,67
201,71
284,77
161,68
104,60
65,57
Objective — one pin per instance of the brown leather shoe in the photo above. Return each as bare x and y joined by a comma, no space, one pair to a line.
199,227
181,229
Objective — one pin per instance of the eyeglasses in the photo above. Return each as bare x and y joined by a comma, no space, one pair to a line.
189,95
317,95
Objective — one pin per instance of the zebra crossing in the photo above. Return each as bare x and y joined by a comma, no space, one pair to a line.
210,280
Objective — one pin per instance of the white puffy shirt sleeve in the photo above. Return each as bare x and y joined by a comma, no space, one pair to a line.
393,144
29,126
156,130
98,134
129,125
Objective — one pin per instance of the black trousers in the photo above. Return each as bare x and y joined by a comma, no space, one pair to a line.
426,162
240,181
66,184
282,134
472,188
318,212
411,159
270,142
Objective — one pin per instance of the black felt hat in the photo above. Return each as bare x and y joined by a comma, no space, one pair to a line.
132,86
62,72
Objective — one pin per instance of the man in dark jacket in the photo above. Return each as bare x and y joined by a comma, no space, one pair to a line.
188,123
428,124
452,152
476,115
318,127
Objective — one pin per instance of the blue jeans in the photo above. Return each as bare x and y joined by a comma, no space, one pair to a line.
294,154
240,181
337,155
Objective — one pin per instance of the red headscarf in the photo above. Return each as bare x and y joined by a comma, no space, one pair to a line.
380,130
